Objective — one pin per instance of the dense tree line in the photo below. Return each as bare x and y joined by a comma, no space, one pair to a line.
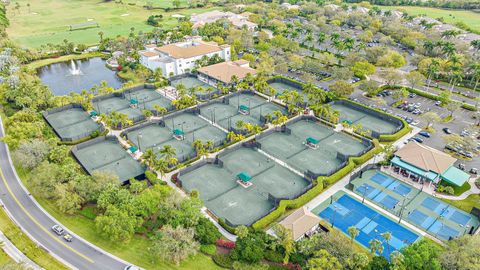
454,4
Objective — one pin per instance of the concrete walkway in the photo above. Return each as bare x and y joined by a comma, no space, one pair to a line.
14,253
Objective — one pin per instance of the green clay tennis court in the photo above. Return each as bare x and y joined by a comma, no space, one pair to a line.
72,124
190,82
219,190
108,155
227,115
281,87
189,125
149,98
428,213
116,104
368,121
291,147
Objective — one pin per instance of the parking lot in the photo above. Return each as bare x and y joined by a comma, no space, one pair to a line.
462,120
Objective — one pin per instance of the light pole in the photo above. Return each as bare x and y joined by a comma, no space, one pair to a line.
139,136
364,192
334,213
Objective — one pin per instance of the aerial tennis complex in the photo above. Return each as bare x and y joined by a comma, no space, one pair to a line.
246,182
178,130
218,184
428,213
71,122
344,211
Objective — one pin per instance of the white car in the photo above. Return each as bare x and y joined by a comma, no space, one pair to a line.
131,267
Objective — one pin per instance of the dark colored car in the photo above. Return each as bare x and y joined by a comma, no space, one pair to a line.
424,134
447,130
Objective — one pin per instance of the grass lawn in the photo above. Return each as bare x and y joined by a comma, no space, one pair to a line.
27,246
467,204
4,258
47,21
135,251
472,19
457,190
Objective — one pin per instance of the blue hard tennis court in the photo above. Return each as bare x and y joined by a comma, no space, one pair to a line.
346,212
377,196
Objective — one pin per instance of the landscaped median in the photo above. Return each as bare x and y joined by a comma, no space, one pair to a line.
428,95
320,184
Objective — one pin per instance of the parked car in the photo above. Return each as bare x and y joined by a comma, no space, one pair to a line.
409,120
415,122
57,229
412,95
474,170
424,134
461,166
447,130
419,140
131,267
438,103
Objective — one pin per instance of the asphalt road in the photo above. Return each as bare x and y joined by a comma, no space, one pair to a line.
37,224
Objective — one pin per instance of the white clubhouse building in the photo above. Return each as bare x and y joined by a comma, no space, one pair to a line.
179,58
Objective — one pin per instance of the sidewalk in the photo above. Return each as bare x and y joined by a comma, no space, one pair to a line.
16,254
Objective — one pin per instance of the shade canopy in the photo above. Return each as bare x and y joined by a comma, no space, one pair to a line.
455,176
311,140
347,122
133,149
244,107
415,170
244,177
93,113
133,101
178,132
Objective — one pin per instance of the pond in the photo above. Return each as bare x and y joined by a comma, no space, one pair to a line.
76,75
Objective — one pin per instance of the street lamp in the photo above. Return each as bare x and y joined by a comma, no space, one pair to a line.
139,136
364,192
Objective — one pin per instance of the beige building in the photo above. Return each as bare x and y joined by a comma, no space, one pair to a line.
179,58
238,20
223,72
301,223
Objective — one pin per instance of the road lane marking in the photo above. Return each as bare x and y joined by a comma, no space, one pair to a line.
38,223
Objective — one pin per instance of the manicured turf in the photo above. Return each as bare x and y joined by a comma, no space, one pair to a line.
467,204
472,19
47,21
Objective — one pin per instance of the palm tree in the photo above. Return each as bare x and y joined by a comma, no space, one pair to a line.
475,71
353,232
432,69
428,46
475,44
160,110
100,34
375,246
149,157
448,48
209,145
199,148
168,152
161,166
285,239
387,236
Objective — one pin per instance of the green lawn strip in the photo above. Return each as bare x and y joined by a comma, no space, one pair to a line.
467,204
26,245
472,19
457,190
136,251
4,258
48,61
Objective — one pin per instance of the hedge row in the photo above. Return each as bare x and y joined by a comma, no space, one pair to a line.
319,185
466,106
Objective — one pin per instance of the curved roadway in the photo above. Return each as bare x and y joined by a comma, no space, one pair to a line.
36,223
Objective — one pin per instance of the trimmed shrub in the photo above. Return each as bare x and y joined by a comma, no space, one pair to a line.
208,249
223,260
227,227
225,244
206,232
152,177
273,256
